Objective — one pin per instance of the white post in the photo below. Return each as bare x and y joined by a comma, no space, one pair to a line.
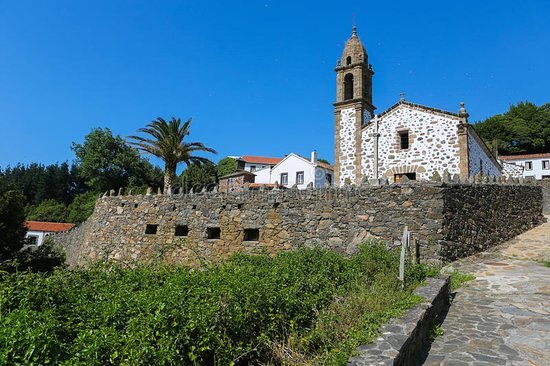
404,243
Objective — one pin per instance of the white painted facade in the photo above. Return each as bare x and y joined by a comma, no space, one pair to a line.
294,169
35,238
537,165
433,143
509,169
348,155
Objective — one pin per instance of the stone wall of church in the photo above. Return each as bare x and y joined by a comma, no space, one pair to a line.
447,221
348,154
511,169
479,161
433,142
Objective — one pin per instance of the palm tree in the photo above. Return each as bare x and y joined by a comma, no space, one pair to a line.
166,142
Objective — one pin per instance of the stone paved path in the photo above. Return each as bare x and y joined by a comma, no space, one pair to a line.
503,316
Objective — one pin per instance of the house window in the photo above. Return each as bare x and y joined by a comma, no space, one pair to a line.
32,240
230,180
348,87
252,168
251,234
328,179
397,177
546,164
348,60
151,229
181,230
284,179
481,166
528,165
404,139
300,178
213,233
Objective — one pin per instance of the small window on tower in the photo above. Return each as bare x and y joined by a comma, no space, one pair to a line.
404,139
348,60
348,87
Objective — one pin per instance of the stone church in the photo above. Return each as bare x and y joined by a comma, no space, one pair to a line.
407,139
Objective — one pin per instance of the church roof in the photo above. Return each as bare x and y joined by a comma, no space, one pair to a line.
419,107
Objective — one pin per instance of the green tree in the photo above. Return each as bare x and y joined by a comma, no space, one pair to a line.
48,210
107,162
82,207
524,128
12,218
226,166
198,176
166,141
38,182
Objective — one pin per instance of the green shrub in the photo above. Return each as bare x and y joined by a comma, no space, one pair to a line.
238,312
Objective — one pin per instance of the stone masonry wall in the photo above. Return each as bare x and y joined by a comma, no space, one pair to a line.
433,144
478,217
144,228
545,184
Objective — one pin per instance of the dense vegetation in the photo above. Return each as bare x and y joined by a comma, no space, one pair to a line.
523,129
308,306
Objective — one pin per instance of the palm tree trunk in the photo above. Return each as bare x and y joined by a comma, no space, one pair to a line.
169,177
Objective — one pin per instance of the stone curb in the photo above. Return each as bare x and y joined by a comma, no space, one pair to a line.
402,341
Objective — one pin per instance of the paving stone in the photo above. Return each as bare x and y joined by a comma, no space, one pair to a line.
502,317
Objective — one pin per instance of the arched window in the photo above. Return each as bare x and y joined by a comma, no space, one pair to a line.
348,60
348,87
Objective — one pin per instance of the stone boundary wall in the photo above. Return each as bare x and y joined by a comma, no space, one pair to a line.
478,217
402,341
448,220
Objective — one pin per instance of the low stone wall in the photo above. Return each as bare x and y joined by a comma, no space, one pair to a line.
447,221
402,340
478,217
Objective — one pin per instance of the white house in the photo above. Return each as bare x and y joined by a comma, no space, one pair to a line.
296,170
534,165
37,231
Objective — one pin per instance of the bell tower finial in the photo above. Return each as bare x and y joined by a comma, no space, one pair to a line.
353,26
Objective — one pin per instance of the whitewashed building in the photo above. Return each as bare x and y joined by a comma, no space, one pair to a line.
531,165
37,231
296,170
407,139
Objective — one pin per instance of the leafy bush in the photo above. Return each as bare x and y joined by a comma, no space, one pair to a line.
42,259
82,207
238,312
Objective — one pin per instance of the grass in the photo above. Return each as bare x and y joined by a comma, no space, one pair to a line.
546,263
458,279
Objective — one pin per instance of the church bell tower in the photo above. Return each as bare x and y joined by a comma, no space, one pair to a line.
352,110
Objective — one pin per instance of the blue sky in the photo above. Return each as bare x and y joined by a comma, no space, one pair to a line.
256,76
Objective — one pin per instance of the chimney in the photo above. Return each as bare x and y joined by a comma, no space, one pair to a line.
314,157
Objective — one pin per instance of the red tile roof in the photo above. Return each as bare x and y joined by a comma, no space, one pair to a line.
48,226
324,165
524,156
260,160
